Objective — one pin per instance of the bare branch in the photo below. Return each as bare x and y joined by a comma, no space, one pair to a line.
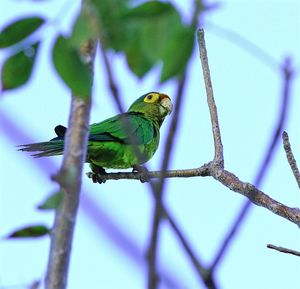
290,157
256,196
284,250
186,173
219,158
229,180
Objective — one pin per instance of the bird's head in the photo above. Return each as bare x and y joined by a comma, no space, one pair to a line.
153,104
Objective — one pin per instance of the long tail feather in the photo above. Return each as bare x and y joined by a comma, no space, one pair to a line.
44,149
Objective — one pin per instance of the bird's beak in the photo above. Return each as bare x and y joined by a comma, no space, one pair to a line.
166,102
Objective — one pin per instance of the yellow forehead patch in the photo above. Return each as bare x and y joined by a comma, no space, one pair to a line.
151,97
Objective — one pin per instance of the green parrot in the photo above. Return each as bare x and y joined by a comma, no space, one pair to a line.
110,141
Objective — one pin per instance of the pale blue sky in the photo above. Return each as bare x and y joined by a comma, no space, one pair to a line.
247,93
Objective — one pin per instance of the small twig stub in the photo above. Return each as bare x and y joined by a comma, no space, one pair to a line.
290,157
284,250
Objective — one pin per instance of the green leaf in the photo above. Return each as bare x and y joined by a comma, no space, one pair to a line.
154,29
149,34
71,68
52,202
111,21
19,30
17,69
30,232
177,53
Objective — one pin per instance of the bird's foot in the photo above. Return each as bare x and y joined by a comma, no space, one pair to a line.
96,174
142,171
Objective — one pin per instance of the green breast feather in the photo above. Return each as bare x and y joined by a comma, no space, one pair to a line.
109,142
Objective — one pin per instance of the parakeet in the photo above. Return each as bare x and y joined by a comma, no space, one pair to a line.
110,141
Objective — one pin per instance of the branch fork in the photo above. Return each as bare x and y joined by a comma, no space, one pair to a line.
215,168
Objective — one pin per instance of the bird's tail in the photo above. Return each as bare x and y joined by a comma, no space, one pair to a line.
44,149
53,147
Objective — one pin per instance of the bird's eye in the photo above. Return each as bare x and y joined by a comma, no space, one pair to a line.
151,97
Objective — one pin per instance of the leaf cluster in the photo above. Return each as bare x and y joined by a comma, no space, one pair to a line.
149,34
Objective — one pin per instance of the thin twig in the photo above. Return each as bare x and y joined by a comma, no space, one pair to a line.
284,250
290,157
185,173
265,164
218,159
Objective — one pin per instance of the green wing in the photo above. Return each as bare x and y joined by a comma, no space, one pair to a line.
138,126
